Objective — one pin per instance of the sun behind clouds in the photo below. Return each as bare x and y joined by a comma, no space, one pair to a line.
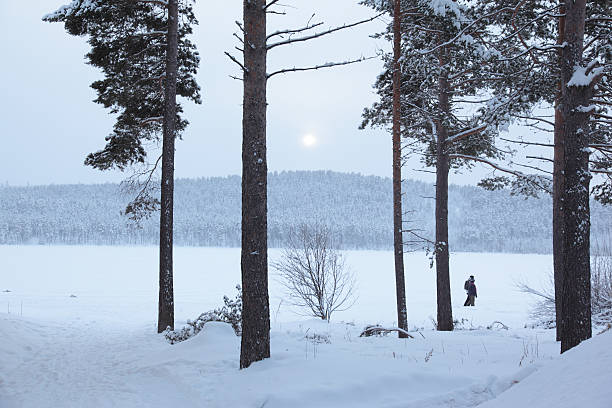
309,140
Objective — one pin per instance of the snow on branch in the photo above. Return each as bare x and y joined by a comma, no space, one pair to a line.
463,33
466,133
294,31
151,120
162,3
316,67
323,33
585,76
380,330
78,7
75,7
230,56
526,177
151,33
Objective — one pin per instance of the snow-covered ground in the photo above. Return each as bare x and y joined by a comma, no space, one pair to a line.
78,329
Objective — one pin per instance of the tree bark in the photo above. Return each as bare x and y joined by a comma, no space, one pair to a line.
445,311
558,192
398,241
576,298
166,289
255,343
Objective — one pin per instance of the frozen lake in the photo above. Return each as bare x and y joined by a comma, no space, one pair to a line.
120,284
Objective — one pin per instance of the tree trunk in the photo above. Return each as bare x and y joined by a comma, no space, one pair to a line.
558,193
576,302
255,344
445,311
166,289
398,241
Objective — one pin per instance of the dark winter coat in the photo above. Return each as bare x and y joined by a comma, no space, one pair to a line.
472,289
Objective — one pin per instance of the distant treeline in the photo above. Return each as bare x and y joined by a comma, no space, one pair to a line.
357,209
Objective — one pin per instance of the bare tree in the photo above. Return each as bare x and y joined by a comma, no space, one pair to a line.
314,273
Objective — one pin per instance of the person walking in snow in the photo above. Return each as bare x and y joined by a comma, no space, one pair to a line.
466,286
471,292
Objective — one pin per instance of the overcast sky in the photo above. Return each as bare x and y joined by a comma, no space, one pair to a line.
49,122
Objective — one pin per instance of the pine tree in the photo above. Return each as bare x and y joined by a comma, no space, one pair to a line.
256,43
561,37
398,236
147,60
445,59
255,343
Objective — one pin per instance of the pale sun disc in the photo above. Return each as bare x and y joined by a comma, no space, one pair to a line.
309,140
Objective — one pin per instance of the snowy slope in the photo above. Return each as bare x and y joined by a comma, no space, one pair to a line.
98,365
581,377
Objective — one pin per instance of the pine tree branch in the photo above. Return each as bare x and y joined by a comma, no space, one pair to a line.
527,143
270,4
158,2
463,31
323,33
294,31
151,33
521,39
540,158
533,168
231,57
498,167
316,67
466,133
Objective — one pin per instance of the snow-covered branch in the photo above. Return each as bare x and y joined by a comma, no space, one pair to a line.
322,66
294,31
231,57
496,166
323,33
378,330
466,133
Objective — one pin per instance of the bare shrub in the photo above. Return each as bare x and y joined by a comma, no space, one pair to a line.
601,289
543,312
314,273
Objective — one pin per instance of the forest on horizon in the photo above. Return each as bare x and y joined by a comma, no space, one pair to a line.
355,207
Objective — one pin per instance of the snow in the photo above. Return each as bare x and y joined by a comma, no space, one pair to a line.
580,377
439,8
100,348
581,78
80,6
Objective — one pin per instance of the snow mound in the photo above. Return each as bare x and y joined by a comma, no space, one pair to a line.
213,334
579,377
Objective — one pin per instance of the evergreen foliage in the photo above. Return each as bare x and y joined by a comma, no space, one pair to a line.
230,312
128,44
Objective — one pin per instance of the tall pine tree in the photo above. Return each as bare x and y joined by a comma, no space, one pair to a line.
445,62
569,49
147,60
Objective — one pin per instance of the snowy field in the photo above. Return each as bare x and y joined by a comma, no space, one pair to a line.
78,329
